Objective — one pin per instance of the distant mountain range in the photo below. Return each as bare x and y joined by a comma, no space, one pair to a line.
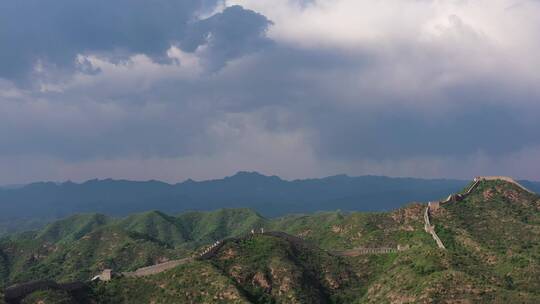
269,195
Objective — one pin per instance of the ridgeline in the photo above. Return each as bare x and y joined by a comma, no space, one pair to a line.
490,233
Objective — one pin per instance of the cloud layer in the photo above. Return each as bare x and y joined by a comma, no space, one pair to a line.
175,89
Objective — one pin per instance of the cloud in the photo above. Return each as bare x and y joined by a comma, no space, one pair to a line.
295,88
443,41
226,35
36,35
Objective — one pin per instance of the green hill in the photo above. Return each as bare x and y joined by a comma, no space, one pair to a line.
219,224
192,229
197,282
79,260
262,269
80,246
157,225
492,256
269,269
72,228
492,240
494,235
339,231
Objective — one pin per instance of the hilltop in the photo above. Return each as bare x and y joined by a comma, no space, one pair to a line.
79,246
491,236
495,235
258,269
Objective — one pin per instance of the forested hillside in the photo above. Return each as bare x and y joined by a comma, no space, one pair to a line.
492,255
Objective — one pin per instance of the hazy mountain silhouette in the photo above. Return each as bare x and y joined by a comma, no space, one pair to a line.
269,195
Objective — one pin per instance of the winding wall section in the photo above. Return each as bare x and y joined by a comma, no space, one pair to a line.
213,250
155,269
458,197
431,229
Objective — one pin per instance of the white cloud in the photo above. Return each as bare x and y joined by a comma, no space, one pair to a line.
139,72
433,43
352,23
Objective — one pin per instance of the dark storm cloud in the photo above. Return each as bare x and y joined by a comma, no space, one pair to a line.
54,32
229,34
313,88
350,121
399,133
236,96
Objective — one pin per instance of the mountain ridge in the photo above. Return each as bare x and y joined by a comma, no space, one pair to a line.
33,205
239,174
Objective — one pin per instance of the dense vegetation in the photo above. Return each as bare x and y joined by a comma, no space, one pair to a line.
80,246
494,236
492,239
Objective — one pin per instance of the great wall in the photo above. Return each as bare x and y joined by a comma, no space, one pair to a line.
155,269
432,206
212,250
374,250
205,254
15,293
431,228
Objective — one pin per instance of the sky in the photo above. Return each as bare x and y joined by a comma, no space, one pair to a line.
177,89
